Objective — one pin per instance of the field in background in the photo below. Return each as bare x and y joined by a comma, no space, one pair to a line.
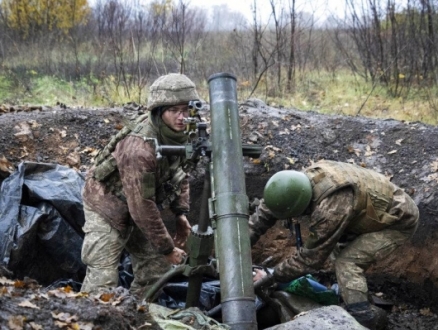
380,60
342,94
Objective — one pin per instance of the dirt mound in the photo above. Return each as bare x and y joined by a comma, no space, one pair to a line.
291,139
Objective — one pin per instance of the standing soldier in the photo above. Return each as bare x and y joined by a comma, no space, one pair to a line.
348,204
127,188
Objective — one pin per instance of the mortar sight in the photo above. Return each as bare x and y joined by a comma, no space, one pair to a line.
195,104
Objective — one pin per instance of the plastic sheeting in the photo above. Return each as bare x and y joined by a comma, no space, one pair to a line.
174,294
41,217
307,286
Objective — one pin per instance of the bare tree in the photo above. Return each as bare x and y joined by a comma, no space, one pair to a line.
279,25
182,24
116,24
291,67
256,39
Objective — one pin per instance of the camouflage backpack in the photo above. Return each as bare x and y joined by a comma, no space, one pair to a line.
104,163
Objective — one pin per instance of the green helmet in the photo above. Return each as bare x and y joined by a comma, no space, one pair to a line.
171,89
287,194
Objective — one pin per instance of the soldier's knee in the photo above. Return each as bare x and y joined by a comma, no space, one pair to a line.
87,258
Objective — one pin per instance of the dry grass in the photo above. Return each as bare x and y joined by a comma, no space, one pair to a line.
341,94
345,94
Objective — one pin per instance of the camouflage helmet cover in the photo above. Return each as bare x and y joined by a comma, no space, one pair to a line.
171,89
287,193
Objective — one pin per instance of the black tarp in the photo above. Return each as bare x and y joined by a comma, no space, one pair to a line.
41,217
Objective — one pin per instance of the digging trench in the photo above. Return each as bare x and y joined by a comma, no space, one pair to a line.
407,152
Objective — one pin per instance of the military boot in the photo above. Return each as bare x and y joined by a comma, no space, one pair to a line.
370,316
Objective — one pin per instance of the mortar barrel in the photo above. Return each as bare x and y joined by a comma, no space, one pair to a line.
230,202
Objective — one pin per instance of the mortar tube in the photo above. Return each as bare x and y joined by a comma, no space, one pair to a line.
231,205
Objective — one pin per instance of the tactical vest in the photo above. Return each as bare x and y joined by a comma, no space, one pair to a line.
169,169
373,192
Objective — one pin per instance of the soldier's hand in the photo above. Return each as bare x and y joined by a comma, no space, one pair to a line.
182,231
260,273
176,257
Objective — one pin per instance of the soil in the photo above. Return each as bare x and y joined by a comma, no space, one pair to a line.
291,139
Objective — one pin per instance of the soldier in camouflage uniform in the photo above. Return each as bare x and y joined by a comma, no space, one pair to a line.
349,207
127,188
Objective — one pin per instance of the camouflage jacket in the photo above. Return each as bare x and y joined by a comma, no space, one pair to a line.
337,215
133,191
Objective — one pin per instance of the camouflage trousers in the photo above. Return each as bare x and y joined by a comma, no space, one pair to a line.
352,261
101,252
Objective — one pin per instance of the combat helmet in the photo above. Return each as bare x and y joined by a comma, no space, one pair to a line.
171,89
287,193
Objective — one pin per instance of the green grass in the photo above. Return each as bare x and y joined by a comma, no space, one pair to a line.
4,88
341,94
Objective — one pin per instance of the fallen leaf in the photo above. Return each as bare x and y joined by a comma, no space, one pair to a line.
106,297
291,160
16,322
5,281
6,165
253,138
432,177
65,317
392,152
34,124
273,148
19,284
35,326
85,326
4,290
27,303
82,294
67,289
61,325
88,150
300,314
434,166
146,325
368,151
57,293
426,312
118,301
295,127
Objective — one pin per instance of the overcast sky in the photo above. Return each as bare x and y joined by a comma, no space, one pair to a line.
321,8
